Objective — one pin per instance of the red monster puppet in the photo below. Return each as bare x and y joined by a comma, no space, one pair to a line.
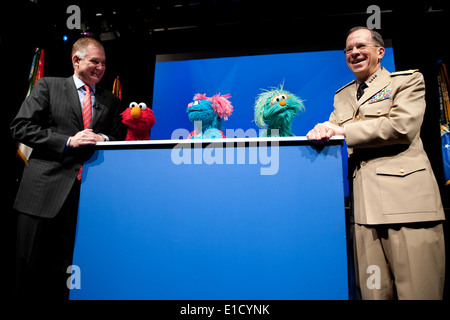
139,119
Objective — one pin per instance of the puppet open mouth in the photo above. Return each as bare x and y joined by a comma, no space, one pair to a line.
196,114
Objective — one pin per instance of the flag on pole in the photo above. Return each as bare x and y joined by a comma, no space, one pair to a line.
117,88
36,72
443,84
37,69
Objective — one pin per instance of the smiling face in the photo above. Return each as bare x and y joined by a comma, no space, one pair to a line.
363,54
90,68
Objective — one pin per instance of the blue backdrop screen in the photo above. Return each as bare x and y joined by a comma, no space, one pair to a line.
312,76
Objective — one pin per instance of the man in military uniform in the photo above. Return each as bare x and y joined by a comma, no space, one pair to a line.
397,209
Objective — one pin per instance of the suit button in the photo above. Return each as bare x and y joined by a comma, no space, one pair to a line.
357,117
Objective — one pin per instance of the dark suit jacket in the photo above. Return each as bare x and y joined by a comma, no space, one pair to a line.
45,121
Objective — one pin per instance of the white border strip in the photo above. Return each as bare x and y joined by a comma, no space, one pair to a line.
190,141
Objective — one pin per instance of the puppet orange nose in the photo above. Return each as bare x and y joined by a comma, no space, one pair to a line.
283,103
136,112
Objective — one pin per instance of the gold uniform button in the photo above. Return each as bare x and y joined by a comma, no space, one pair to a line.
357,117
363,163
378,111
402,170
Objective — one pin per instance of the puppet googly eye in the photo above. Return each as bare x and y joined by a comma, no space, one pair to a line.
142,105
196,103
278,98
132,105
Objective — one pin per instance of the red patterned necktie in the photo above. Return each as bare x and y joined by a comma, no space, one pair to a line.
87,116
87,108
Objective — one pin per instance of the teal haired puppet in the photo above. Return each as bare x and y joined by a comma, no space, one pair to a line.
207,113
274,110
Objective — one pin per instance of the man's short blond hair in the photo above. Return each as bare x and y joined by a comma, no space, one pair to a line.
79,48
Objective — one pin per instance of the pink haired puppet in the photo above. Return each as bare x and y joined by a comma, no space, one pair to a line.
207,114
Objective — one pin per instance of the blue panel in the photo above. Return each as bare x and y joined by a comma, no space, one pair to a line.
152,229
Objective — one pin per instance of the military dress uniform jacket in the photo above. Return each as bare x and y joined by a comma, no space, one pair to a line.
393,181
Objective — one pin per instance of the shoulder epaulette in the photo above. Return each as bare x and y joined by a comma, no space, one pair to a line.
353,81
406,72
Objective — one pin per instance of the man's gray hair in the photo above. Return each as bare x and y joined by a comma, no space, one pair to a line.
376,37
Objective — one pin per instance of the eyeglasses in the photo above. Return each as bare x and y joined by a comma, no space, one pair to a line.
359,47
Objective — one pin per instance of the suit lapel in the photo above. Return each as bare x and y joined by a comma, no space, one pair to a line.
99,106
74,102
380,82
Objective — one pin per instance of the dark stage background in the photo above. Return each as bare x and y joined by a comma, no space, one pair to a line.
138,31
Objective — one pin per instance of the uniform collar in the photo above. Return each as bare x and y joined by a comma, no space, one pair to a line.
371,78
379,82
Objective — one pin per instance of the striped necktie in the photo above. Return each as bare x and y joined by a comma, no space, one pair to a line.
87,116
87,108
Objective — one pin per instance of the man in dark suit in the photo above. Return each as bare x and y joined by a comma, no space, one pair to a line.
53,121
